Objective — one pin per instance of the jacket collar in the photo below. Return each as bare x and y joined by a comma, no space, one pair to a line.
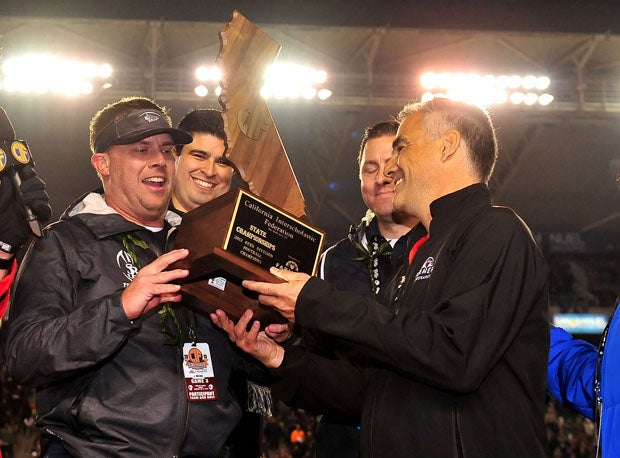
451,207
102,219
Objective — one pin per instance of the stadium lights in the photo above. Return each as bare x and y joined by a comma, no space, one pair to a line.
487,89
282,81
201,90
207,76
45,73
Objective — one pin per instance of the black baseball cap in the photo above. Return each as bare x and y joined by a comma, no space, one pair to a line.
136,125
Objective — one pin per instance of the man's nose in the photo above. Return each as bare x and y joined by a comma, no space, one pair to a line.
382,178
390,166
159,158
209,167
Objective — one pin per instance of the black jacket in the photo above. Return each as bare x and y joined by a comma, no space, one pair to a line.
346,267
458,361
341,264
106,385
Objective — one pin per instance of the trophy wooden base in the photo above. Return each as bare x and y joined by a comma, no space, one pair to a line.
220,287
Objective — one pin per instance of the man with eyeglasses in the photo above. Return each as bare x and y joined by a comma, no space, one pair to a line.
120,369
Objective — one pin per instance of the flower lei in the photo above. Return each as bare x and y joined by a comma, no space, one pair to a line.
371,255
168,321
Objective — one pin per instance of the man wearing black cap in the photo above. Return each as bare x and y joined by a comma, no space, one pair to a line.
120,369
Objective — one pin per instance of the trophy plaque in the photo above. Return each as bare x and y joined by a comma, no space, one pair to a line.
243,233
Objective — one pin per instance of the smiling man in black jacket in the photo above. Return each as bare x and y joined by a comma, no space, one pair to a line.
363,262
457,362
95,325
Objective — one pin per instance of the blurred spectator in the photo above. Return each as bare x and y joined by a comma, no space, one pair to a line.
570,434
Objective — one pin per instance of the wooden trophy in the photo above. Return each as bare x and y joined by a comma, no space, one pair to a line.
241,234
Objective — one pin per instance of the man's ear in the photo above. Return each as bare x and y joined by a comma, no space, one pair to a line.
450,142
101,163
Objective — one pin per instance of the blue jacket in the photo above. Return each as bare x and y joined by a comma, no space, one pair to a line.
571,376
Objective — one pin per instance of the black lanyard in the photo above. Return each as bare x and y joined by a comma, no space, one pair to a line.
598,416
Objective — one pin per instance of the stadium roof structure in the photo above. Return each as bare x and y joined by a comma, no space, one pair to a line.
556,162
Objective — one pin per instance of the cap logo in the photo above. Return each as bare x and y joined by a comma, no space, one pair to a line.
150,116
